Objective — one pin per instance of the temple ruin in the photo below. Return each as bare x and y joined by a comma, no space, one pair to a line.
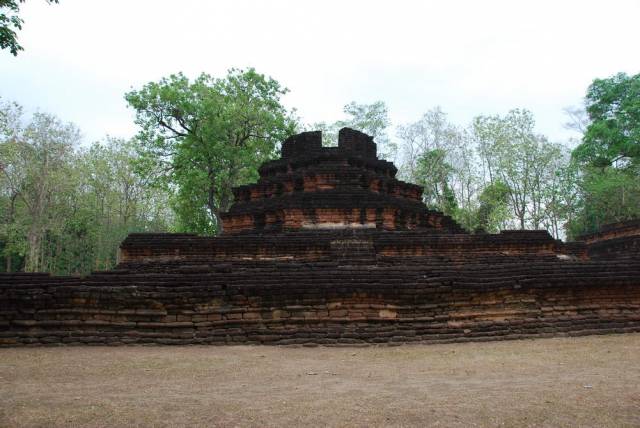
328,247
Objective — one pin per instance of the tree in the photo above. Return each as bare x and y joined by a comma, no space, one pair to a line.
10,177
64,208
609,155
372,119
560,194
496,173
606,196
577,119
439,156
110,202
522,160
199,139
613,135
494,207
433,173
35,166
431,132
499,139
10,22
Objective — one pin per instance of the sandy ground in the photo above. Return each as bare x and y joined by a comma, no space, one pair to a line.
588,381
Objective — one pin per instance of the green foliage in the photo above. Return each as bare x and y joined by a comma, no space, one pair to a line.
433,174
431,132
613,135
10,22
607,195
36,167
494,207
114,200
372,119
497,173
524,161
200,138
561,195
64,209
609,155
439,156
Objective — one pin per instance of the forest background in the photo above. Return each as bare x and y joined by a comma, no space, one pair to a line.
66,203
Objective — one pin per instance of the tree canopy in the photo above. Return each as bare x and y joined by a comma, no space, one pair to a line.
201,138
609,155
65,206
10,22
613,134
372,119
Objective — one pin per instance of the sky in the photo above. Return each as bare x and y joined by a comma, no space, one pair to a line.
468,57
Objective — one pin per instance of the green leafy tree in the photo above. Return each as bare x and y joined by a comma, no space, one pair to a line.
561,194
607,195
200,138
63,208
613,134
11,182
431,132
494,207
10,22
514,154
496,173
372,119
433,174
111,201
609,155
36,163
440,156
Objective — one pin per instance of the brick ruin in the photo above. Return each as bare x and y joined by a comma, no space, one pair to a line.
328,247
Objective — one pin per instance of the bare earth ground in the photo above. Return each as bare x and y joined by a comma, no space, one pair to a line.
588,381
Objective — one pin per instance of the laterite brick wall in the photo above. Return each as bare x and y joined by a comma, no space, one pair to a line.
394,301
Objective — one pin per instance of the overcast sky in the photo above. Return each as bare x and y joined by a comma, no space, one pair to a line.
469,57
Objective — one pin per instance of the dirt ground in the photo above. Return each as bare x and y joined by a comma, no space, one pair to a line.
588,381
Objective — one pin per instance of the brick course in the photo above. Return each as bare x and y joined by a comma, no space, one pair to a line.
334,271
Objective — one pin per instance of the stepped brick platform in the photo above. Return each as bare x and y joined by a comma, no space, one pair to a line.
330,187
328,247
614,240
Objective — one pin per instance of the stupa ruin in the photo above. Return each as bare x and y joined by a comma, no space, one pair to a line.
328,247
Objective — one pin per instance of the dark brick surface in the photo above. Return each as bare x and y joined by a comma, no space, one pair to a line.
397,282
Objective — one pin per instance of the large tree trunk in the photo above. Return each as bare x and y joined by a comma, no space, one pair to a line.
10,215
33,255
219,225
211,202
